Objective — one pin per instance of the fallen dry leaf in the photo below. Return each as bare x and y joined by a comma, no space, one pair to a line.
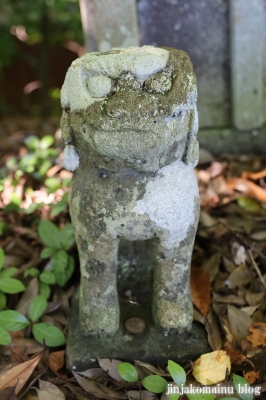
212,265
247,187
94,373
200,289
235,356
57,362
110,366
30,293
213,330
97,389
258,334
18,375
240,276
251,376
48,391
151,368
253,299
141,395
239,322
212,367
8,393
253,175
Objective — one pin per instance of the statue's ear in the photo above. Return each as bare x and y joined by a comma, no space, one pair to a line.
192,146
66,131
191,155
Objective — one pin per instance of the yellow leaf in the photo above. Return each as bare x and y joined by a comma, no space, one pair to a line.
211,368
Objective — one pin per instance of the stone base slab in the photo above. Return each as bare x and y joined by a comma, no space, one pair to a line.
155,345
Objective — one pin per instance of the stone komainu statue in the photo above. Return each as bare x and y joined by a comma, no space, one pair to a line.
130,123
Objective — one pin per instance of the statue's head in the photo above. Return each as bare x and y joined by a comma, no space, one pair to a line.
135,107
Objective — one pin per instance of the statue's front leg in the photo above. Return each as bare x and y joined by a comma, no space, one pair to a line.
99,308
172,304
98,250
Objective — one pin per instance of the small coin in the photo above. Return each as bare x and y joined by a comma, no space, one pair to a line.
135,325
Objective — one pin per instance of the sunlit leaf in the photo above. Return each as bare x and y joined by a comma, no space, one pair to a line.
46,142
32,142
211,367
52,336
177,373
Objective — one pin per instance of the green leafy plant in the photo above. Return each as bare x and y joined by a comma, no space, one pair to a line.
157,384
11,320
8,285
58,242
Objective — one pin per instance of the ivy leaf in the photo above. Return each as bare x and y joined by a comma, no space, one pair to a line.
2,301
48,252
12,320
11,285
242,387
175,396
59,263
2,257
7,273
47,277
46,142
5,338
44,290
52,336
31,272
49,234
128,372
200,396
62,276
177,373
37,307
67,236
154,383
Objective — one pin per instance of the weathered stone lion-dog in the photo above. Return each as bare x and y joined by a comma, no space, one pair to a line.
130,123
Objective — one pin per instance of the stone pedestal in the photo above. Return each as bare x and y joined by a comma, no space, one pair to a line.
154,345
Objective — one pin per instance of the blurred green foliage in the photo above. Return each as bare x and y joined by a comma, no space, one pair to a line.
63,19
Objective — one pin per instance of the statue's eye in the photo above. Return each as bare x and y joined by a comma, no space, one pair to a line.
128,81
158,83
99,86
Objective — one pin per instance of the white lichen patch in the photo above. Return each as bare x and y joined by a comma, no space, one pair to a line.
88,78
140,61
169,200
99,86
71,158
